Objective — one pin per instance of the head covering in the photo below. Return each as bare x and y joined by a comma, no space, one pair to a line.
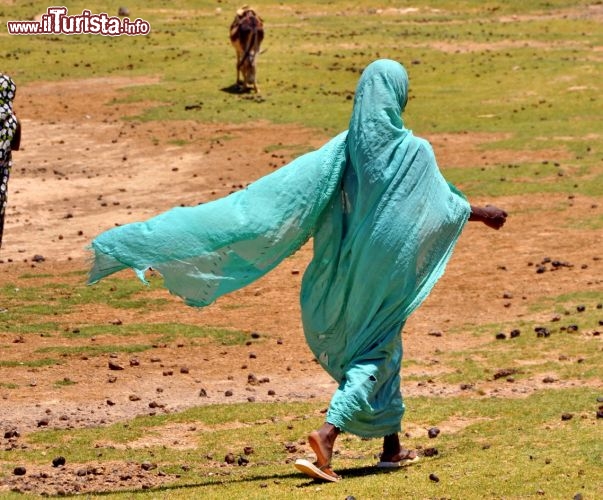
384,223
8,129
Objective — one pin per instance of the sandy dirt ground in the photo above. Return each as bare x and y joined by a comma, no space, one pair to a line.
83,168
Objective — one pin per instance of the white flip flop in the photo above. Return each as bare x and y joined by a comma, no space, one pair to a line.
311,470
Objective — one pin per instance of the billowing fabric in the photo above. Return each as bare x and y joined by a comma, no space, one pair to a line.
8,127
384,223
377,255
211,249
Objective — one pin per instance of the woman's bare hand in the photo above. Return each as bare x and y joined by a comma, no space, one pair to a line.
490,215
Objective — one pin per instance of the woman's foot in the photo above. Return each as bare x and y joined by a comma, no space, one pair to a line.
322,442
394,453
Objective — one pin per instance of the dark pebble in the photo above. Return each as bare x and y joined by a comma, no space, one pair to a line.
242,461
500,336
43,422
515,333
228,394
11,433
541,331
248,450
581,308
434,478
20,471
202,393
433,432
566,416
229,458
430,452
599,413
58,461
115,366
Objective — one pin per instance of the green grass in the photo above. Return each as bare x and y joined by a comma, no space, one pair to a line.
530,84
498,447
533,81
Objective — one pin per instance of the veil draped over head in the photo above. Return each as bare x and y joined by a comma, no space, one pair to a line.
384,223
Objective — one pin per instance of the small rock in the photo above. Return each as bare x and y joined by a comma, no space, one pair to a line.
19,471
43,422
542,331
581,308
115,366
515,333
58,461
242,461
133,397
434,478
549,380
248,450
12,433
500,336
566,416
134,362
430,452
433,432
147,466
202,393
229,458
110,402
184,370
228,393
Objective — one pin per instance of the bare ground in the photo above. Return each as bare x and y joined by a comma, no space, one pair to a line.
83,169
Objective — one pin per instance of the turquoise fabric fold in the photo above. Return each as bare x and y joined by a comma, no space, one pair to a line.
212,249
384,222
377,255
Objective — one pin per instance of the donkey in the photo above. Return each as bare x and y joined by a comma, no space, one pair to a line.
246,35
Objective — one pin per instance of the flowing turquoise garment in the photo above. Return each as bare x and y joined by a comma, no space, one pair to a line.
384,223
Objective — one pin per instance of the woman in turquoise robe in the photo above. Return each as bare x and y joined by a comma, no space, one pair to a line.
384,223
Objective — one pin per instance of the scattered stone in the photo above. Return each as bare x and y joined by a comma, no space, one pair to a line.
433,432
228,393
202,393
242,461
134,362
133,397
116,322
252,355
435,334
184,370
168,373
11,434
466,387
147,466
38,258
430,452
542,332
500,336
110,402
572,328
58,461
115,366
19,471
566,416
255,335
43,422
549,380
252,379
515,333
581,308
434,478
229,458
600,413
248,450
505,372
271,392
